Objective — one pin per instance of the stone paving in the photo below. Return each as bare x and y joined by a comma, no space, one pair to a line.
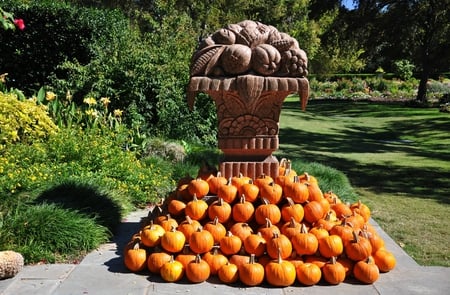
102,272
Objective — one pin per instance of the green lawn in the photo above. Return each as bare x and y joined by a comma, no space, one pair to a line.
397,158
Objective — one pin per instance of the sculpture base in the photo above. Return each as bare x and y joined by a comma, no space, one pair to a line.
269,166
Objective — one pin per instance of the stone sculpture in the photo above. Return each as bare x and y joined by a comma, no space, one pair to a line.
248,69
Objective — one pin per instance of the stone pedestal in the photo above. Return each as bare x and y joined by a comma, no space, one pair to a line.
248,110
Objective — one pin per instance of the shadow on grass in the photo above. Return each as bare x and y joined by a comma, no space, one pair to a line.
85,199
429,181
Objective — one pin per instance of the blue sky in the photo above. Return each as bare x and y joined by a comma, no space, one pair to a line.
348,3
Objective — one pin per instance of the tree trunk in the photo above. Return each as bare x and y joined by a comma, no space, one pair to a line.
422,91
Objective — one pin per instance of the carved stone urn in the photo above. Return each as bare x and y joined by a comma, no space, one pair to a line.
248,69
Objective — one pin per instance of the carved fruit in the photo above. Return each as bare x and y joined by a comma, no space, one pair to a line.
265,59
236,59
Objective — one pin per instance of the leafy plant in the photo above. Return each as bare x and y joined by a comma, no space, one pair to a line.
404,69
48,233
23,121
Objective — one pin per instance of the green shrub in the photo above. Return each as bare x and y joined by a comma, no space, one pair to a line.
404,69
23,121
89,158
46,233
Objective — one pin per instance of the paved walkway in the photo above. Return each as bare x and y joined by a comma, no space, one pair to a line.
102,272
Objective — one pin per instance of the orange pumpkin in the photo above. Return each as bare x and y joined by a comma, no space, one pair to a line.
217,229
267,210
279,272
308,274
176,207
198,187
291,228
359,248
251,273
188,226
241,229
249,190
173,241
272,192
305,243
297,191
331,246
156,260
230,244
216,181
279,244
385,260
201,241
262,180
333,272
167,222
366,271
313,211
243,211
172,271
215,259
292,210
255,244
151,234
361,209
228,273
198,270
185,256
268,230
219,209
196,209
227,192
135,257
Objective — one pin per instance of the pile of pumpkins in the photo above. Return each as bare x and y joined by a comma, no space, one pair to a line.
264,230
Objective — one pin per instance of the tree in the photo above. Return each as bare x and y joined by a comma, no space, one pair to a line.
414,30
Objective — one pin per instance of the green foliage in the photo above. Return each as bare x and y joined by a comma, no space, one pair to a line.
363,88
6,20
30,59
44,232
24,121
91,158
404,69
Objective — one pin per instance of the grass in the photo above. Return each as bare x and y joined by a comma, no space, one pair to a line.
396,158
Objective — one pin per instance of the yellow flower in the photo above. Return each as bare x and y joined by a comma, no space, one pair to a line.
14,135
3,78
118,112
68,95
105,101
50,96
92,113
90,101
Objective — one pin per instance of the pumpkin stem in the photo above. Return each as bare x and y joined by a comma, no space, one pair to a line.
242,199
198,258
290,201
136,245
252,260
355,237
188,219
279,259
292,222
268,222
303,229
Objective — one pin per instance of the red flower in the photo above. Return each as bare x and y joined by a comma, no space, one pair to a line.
20,24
